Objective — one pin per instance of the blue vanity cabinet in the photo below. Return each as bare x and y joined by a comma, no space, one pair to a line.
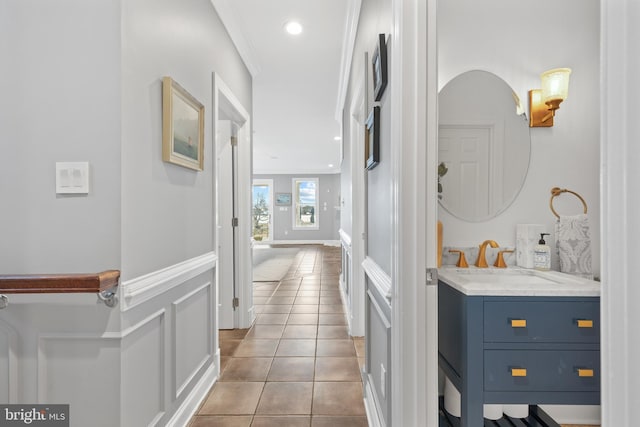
519,349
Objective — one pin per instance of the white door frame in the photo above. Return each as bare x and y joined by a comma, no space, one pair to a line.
227,106
269,183
414,336
358,207
619,204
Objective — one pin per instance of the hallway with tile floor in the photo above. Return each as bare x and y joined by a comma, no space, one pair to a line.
297,366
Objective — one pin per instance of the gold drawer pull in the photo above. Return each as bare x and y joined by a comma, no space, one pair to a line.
585,372
585,323
518,323
518,372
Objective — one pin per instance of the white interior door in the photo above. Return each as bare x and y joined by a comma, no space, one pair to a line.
467,186
226,258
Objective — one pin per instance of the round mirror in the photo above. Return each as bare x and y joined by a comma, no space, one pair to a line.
483,146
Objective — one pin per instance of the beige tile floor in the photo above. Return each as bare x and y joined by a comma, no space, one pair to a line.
297,366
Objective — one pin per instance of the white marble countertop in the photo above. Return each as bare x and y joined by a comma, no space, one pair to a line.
516,281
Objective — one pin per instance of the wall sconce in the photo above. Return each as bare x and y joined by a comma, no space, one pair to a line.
544,102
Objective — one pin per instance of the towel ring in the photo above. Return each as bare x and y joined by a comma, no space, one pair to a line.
556,191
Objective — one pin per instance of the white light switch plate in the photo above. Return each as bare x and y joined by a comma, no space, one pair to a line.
72,177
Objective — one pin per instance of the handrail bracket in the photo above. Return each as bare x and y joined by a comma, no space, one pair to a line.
109,297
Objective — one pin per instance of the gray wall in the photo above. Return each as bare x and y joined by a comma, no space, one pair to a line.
84,84
167,210
60,85
374,19
476,35
328,220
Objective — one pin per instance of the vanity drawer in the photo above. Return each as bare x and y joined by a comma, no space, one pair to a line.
542,321
542,370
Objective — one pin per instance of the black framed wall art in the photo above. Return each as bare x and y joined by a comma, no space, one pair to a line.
379,64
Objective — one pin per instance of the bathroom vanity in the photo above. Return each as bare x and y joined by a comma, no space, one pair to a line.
518,336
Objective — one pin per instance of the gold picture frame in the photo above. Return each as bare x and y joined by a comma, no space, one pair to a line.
182,126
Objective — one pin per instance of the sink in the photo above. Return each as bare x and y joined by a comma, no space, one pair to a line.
512,281
514,277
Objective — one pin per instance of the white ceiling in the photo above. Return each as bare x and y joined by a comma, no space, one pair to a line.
296,79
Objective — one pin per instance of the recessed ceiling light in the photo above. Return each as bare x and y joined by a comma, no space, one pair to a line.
330,165
337,138
293,28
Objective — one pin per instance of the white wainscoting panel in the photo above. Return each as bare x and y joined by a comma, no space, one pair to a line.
378,375
345,238
378,277
72,368
8,364
5,366
192,336
143,288
150,361
345,278
143,372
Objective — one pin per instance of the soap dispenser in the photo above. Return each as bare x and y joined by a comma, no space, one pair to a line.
542,254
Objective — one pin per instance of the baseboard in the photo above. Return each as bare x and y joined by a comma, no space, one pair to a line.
370,407
300,242
192,402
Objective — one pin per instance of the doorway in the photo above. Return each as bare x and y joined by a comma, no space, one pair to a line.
232,128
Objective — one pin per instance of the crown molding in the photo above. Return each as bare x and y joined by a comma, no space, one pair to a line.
230,22
348,45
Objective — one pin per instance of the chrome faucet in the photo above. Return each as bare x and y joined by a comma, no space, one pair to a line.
481,262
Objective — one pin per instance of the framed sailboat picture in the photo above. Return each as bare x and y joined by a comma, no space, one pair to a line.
182,126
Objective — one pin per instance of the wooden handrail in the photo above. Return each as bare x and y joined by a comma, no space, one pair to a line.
58,283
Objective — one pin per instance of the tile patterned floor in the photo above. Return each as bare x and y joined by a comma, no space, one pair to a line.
297,366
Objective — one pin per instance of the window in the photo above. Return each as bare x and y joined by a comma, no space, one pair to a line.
262,209
305,203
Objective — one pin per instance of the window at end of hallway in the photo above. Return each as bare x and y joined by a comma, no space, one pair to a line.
305,203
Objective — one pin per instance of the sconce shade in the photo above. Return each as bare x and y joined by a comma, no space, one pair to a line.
555,85
544,102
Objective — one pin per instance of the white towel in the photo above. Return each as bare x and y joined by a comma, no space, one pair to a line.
573,241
